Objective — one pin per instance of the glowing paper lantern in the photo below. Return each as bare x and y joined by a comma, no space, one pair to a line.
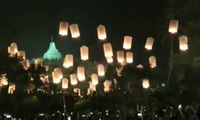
21,54
73,79
84,53
57,75
107,47
92,86
129,57
68,61
63,28
38,62
127,42
149,43
65,83
109,59
173,26
145,83
11,89
74,30
152,61
12,49
101,31
107,85
183,43
94,79
78,91
120,56
4,80
101,70
81,73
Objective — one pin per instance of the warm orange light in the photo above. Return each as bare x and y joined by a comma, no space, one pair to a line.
81,73
63,28
127,42
101,31
101,70
57,75
149,43
84,53
94,79
173,26
120,56
107,47
21,54
74,30
183,43
65,83
73,79
145,83
152,61
107,85
129,57
68,61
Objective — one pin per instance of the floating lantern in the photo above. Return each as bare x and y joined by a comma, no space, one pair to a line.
12,49
84,53
149,43
101,31
57,75
38,62
3,80
107,47
65,83
109,59
127,42
94,79
73,79
183,43
120,56
77,91
145,83
129,57
140,66
11,89
81,73
68,61
101,70
74,30
173,26
107,85
152,61
63,28
21,54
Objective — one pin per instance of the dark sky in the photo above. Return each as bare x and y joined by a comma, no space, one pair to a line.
32,22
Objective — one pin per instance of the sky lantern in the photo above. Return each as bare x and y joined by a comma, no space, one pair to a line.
21,54
12,49
173,26
11,89
65,82
68,61
129,57
152,62
149,43
57,75
107,85
84,53
145,83
77,91
38,62
183,43
74,30
63,28
81,73
109,59
127,42
120,56
94,79
101,70
101,32
107,47
92,86
3,79
73,79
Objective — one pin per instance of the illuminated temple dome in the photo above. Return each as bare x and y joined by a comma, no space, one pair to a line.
52,53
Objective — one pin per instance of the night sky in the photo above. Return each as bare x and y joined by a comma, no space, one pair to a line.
31,23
